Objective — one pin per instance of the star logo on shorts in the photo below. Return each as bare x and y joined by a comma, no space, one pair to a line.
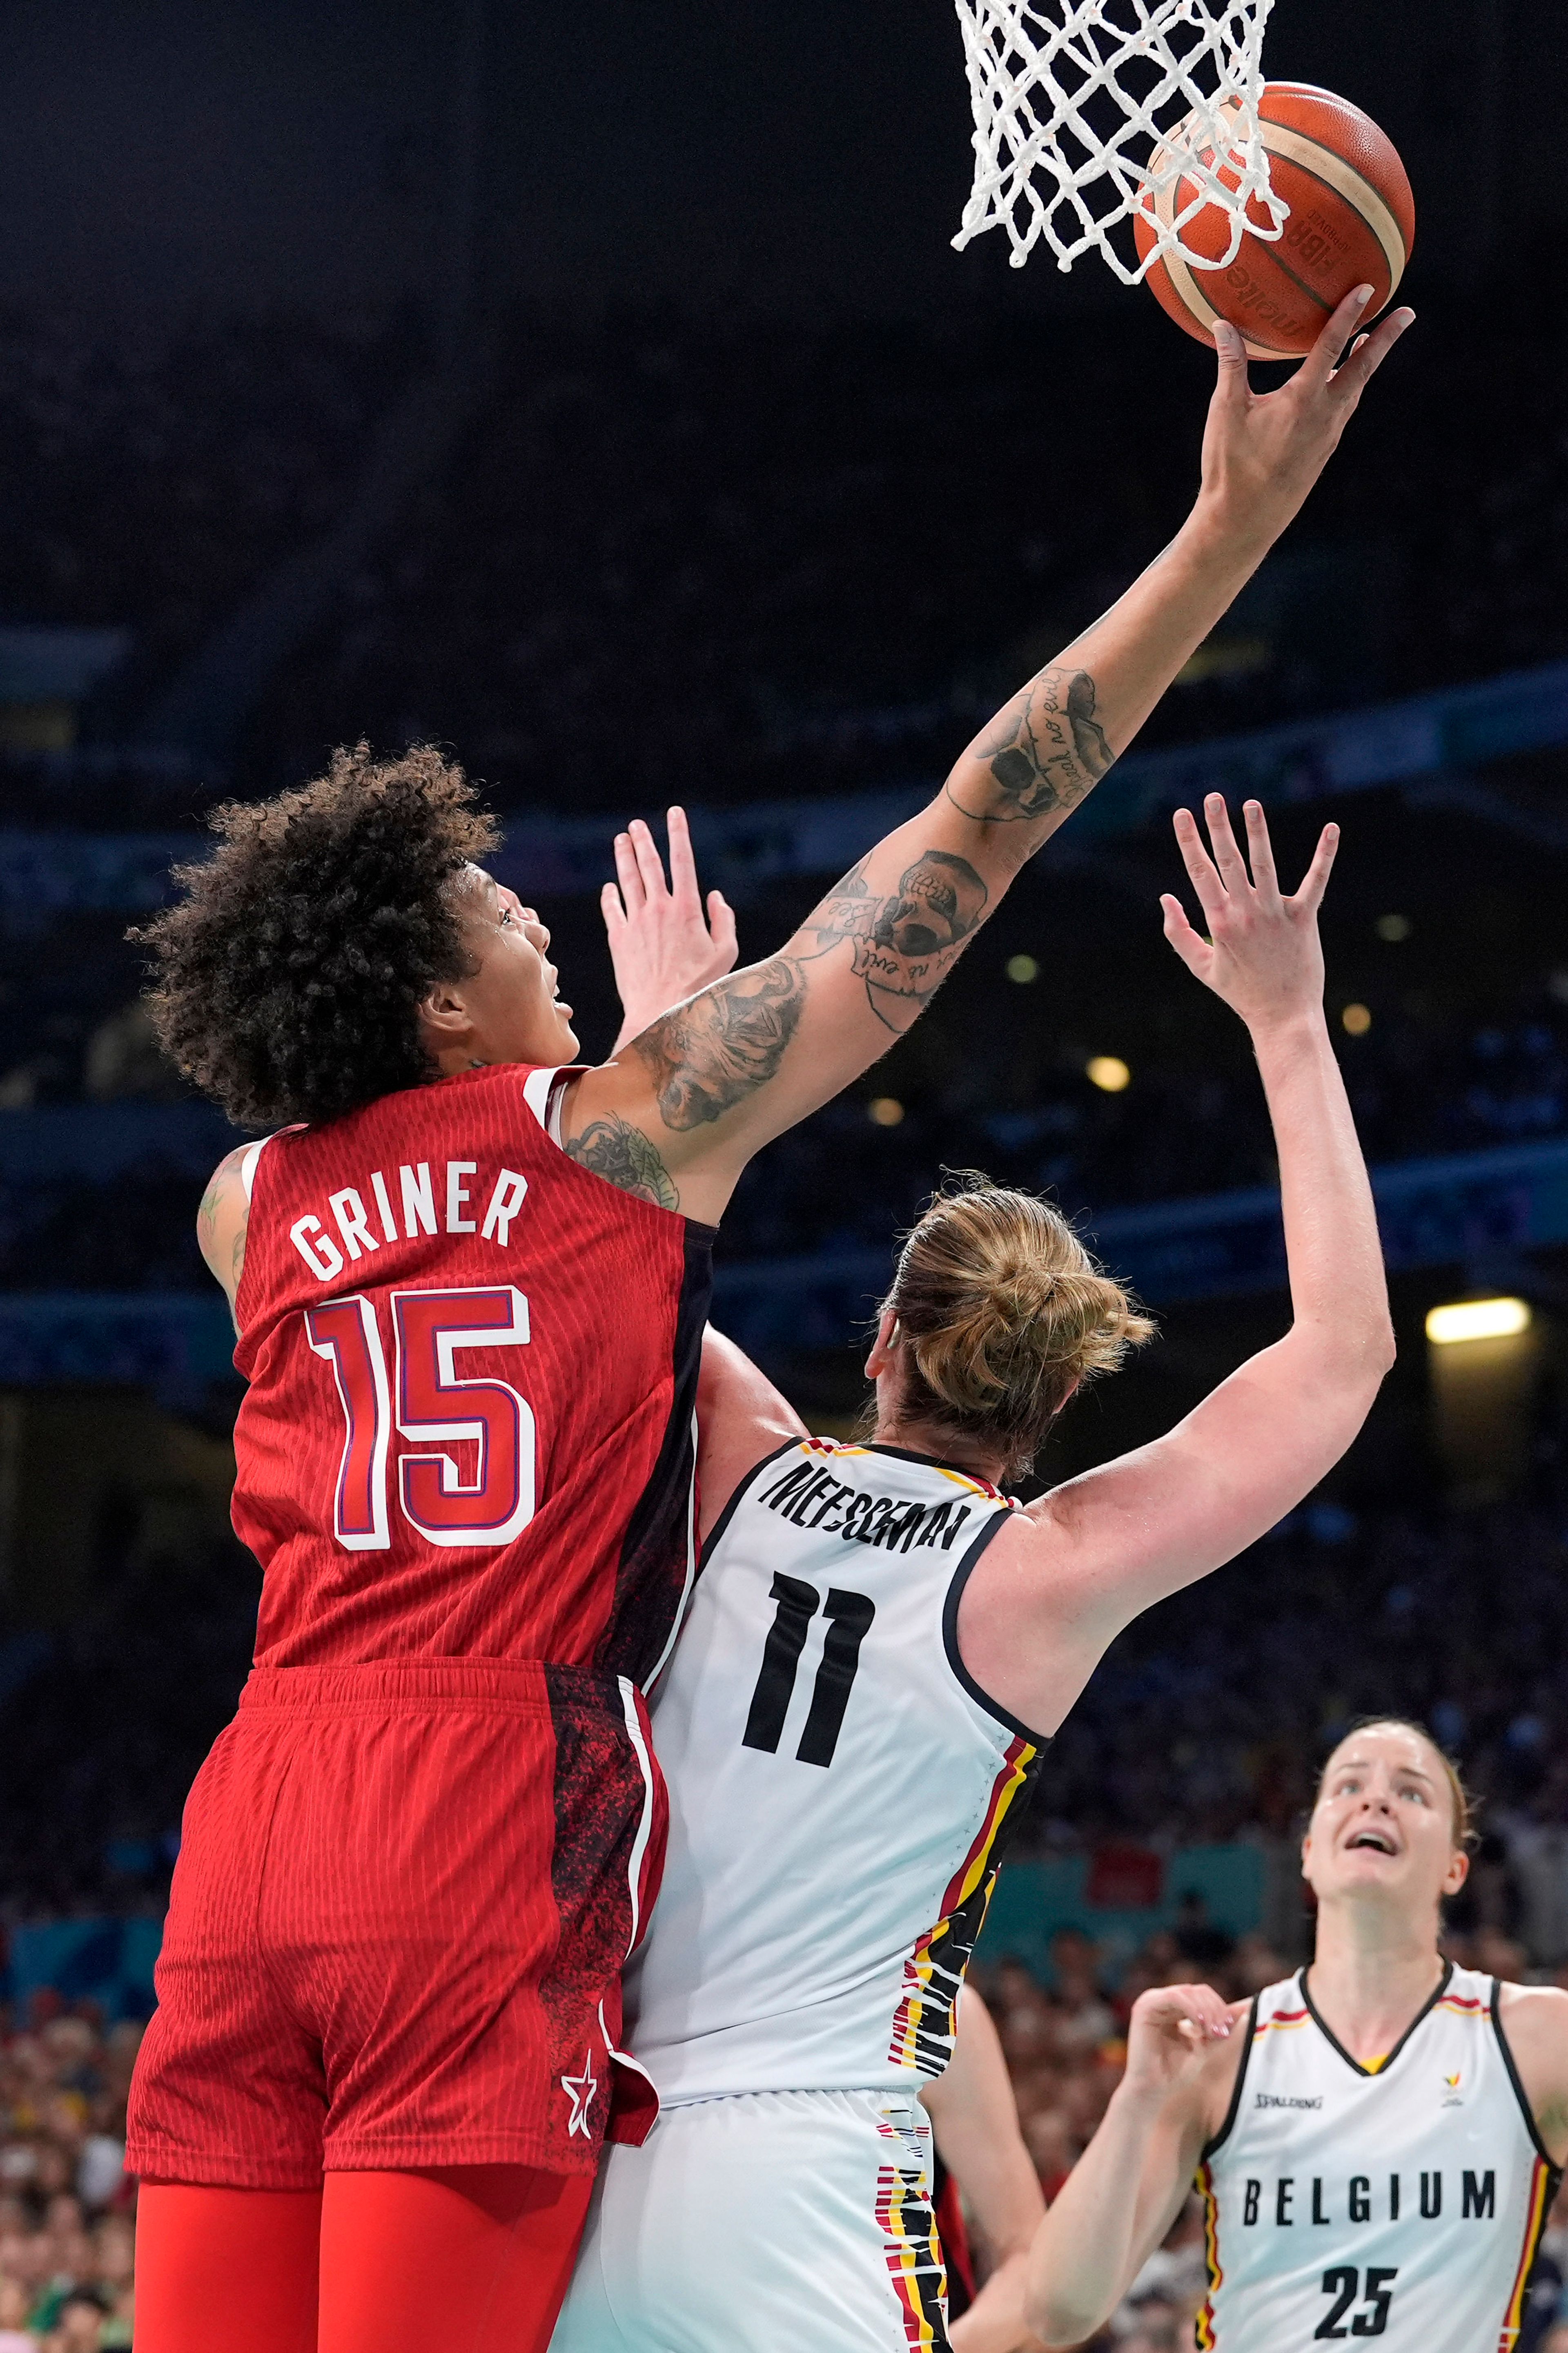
580,2090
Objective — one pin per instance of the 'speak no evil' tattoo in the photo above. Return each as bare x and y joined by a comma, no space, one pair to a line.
905,942
612,1148
1046,751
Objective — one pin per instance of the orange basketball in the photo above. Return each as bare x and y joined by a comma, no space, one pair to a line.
1353,223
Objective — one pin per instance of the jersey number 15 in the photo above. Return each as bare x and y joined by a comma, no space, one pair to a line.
430,1400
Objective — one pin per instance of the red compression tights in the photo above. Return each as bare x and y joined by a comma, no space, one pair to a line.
460,2259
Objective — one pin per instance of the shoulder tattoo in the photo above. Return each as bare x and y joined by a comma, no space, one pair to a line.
612,1148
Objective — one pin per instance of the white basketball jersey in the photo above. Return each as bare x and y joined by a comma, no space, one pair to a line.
1406,2203
837,1785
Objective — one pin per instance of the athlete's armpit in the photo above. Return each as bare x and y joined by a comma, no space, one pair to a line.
707,1055
612,1148
904,942
1044,752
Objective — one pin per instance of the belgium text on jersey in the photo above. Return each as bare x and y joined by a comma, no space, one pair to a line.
421,1198
1289,2200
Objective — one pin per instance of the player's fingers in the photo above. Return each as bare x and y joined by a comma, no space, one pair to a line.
1260,853
1231,382
1222,845
629,874
613,913
650,865
1315,880
682,864
1193,950
1197,2008
1324,356
722,925
1369,353
1201,868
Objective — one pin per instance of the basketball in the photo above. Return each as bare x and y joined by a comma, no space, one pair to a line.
1351,223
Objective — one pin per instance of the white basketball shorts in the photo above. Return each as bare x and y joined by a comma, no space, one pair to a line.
761,2223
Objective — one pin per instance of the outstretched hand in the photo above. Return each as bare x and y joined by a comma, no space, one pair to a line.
1263,451
663,947
1170,2033
1263,955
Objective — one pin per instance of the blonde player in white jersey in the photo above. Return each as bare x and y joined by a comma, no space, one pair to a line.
1377,2139
877,1649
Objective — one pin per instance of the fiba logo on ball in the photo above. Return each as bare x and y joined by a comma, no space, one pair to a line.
1351,222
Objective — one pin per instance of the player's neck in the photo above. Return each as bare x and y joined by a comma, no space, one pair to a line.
1373,1972
960,1453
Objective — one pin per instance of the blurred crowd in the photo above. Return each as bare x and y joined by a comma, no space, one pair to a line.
67,2208
1206,1723
721,557
994,1081
152,474
715,557
715,560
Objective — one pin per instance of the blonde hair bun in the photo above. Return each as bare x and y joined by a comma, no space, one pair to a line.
1004,1314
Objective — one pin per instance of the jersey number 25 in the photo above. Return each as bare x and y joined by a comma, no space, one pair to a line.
433,1401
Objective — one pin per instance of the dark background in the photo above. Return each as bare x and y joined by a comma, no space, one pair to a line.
737,484
807,162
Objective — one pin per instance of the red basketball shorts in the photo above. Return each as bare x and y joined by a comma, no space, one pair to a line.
404,1896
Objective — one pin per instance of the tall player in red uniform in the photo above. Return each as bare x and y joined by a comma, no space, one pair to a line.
470,1282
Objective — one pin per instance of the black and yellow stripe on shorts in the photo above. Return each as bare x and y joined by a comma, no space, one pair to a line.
913,2249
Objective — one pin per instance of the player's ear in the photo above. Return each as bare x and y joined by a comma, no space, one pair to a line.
1458,1870
881,1359
444,1016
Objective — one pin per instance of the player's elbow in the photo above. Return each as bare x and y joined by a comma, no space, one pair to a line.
1375,1351
1349,1360
1057,2315
1057,2323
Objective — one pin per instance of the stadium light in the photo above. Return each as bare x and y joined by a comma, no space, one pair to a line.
1478,1319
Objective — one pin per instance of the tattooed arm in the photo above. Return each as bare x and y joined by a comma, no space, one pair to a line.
221,1223
707,1084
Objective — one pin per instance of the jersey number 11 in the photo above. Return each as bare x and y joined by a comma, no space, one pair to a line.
848,1617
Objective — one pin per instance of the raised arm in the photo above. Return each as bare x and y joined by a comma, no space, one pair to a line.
976,2119
679,1114
1061,1582
741,1420
1127,2189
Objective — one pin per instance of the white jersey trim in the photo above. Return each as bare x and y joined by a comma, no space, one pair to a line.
248,1165
645,1827
537,1093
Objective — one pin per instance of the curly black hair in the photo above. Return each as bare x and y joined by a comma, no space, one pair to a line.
288,978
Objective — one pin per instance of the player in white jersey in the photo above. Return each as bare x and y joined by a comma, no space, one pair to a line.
876,1652
1377,2139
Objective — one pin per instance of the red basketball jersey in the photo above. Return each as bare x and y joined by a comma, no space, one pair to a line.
473,1367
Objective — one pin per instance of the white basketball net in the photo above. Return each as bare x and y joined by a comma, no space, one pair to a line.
1082,105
